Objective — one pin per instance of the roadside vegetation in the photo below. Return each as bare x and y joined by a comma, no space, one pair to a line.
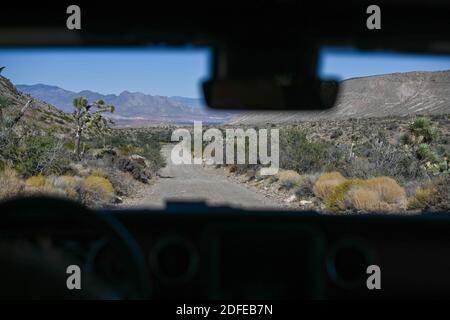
88,161
374,165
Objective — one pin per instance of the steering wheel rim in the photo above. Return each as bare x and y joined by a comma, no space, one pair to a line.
32,211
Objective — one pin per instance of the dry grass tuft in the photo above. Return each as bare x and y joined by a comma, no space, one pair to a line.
364,199
10,184
388,190
71,186
289,178
381,194
423,198
36,182
327,182
40,185
97,190
335,199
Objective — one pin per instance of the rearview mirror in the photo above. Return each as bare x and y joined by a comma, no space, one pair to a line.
271,93
251,75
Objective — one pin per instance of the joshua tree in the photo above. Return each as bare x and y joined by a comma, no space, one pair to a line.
89,116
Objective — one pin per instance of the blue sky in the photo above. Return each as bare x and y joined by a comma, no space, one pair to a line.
172,72
153,71
347,63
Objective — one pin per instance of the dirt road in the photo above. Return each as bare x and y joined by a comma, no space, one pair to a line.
196,182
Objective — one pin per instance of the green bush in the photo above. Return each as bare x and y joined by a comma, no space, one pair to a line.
38,154
371,158
299,154
126,143
423,127
4,102
425,153
128,149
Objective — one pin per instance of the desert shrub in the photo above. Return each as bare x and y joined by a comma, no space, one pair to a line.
128,149
376,194
72,186
152,152
440,199
384,159
372,158
97,191
423,129
124,184
144,144
423,197
289,179
364,199
411,187
442,150
69,145
406,138
40,185
306,186
10,184
36,181
326,182
388,189
425,153
334,197
299,154
39,155
4,102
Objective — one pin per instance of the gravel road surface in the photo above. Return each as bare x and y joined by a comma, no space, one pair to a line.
194,183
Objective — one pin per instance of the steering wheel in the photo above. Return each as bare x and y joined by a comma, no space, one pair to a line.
29,274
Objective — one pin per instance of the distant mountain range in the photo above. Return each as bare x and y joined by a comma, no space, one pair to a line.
132,107
38,116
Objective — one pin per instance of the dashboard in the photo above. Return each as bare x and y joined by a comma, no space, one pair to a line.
192,251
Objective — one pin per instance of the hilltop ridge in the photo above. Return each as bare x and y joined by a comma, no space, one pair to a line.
396,94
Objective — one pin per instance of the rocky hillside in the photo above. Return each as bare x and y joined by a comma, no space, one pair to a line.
397,94
38,115
132,107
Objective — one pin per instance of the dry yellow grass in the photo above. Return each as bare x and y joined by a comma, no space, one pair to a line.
93,190
289,178
388,189
97,190
10,184
376,194
69,184
97,182
335,199
364,199
327,182
41,185
423,197
36,182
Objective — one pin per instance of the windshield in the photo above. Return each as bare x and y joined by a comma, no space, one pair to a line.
128,128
